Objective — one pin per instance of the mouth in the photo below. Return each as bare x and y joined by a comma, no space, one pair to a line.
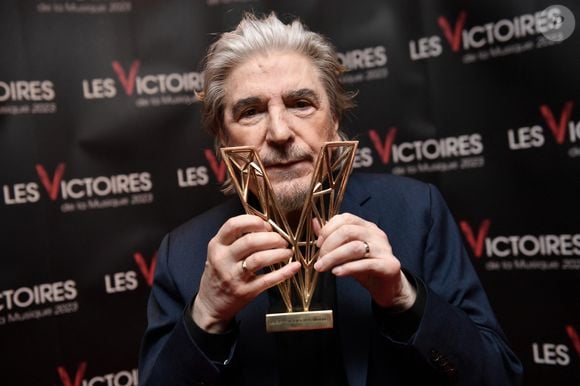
288,169
285,164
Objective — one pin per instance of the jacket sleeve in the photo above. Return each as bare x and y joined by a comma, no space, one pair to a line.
169,355
458,336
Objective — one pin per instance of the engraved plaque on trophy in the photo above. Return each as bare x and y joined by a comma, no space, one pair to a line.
331,172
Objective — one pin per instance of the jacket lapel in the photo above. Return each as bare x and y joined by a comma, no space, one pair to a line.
354,302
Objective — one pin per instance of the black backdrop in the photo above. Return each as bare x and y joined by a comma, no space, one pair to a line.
101,153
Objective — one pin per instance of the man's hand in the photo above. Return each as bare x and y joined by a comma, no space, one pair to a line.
243,245
351,246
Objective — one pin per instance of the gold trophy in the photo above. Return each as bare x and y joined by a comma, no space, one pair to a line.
327,187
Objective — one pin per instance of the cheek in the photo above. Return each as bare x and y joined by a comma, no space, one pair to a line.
328,132
244,137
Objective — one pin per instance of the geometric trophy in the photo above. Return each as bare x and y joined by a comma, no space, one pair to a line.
327,187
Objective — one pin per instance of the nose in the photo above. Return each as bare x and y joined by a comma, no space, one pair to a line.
279,130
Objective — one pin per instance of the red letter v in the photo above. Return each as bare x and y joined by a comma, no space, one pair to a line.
453,37
65,378
219,170
128,82
559,129
147,271
574,338
475,244
384,149
52,187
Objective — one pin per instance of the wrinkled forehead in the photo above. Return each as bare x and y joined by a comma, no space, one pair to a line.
272,74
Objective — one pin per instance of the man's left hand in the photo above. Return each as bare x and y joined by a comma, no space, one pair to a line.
351,246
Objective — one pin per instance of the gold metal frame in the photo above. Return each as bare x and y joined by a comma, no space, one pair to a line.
327,187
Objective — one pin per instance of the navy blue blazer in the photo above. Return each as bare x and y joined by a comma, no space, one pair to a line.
458,340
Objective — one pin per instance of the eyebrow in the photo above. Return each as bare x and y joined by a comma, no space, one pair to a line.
241,104
304,93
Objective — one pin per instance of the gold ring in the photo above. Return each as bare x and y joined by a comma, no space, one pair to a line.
244,266
367,248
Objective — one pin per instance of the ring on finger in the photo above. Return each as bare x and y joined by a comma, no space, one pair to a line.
244,265
367,248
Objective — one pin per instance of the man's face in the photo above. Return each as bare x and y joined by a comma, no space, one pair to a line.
276,103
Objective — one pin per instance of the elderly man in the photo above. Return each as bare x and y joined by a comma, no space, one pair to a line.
409,309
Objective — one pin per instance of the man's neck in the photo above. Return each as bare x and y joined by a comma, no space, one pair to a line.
293,218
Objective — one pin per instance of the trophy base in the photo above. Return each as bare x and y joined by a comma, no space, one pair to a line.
299,321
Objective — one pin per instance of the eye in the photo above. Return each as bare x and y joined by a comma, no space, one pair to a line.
302,104
247,113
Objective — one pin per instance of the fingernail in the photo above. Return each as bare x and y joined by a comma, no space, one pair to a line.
318,265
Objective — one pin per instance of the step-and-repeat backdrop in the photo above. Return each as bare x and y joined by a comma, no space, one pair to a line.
102,153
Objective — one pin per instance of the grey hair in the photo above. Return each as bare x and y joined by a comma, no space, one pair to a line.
255,35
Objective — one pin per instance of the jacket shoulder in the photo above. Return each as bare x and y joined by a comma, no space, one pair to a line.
207,222
388,185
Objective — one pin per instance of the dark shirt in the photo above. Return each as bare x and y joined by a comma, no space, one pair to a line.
310,358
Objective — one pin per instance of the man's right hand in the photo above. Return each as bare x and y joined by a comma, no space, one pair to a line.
243,245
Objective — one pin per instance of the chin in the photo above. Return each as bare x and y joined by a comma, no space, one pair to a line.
291,195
